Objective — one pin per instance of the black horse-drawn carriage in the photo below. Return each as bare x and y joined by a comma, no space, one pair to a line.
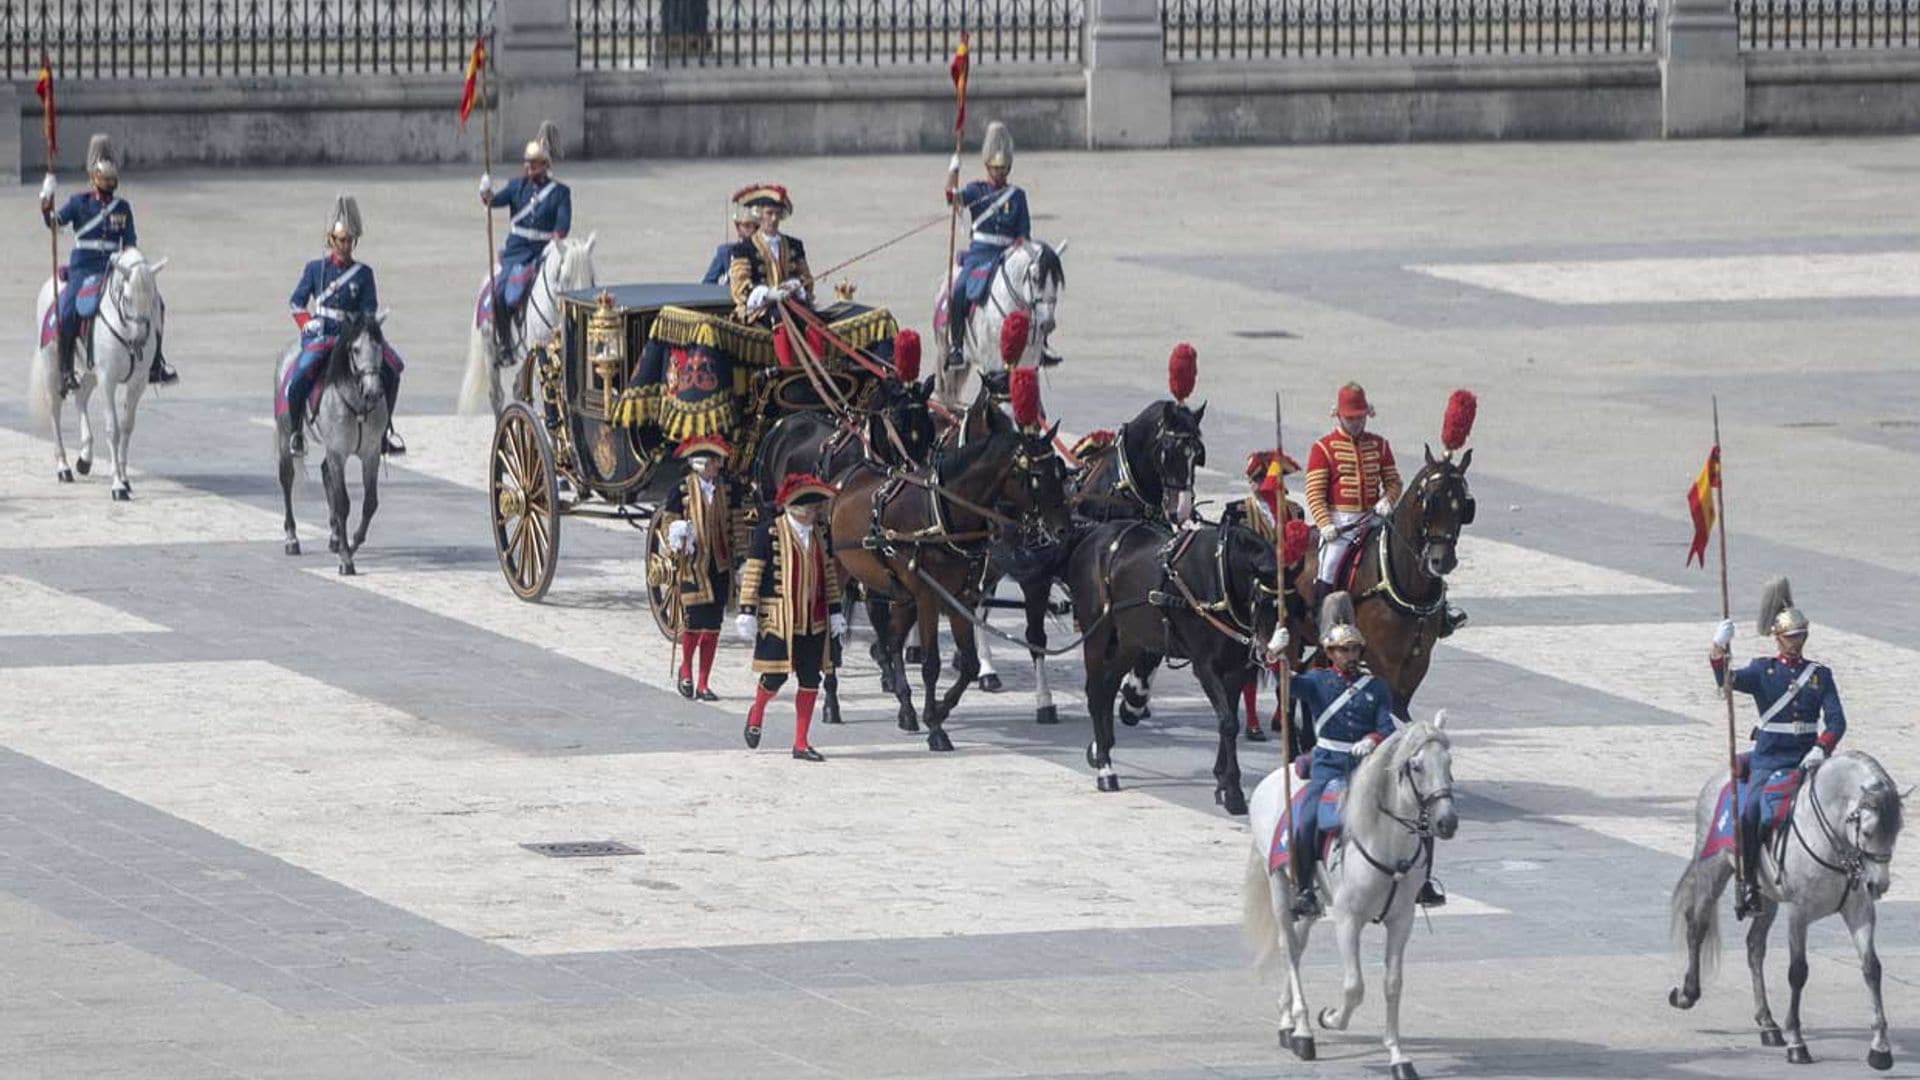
633,370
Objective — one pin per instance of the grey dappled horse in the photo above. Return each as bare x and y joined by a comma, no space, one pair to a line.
1398,801
350,421
1839,841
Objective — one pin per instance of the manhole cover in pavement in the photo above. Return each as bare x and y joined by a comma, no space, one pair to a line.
1267,335
581,849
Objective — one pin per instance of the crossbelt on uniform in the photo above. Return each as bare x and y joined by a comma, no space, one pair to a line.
525,233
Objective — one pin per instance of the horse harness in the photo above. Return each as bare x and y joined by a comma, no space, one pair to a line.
1391,589
1218,614
1420,825
1852,855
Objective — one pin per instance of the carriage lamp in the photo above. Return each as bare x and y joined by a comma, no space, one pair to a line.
606,348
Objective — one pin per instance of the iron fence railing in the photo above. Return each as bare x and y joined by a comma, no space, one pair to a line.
623,34
170,38
1228,29
1829,24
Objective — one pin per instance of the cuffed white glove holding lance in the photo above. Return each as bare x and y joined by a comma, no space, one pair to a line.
486,186
1814,757
1362,748
744,625
1723,635
953,168
1384,507
837,624
46,188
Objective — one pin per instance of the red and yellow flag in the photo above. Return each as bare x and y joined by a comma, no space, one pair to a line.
960,68
43,89
470,93
1700,505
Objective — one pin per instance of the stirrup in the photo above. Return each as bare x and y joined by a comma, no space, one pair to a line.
161,374
1431,894
1306,904
956,357
392,443
297,441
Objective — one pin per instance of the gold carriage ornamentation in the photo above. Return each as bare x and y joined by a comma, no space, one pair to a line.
632,370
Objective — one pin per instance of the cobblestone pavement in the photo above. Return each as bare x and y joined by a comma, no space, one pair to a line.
260,820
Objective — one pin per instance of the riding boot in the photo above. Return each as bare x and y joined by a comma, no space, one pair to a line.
161,373
502,330
1747,901
956,340
296,428
69,382
1302,861
1431,894
391,442
803,700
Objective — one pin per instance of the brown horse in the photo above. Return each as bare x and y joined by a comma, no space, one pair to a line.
918,542
1399,585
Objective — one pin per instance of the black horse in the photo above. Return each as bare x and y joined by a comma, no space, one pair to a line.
1144,592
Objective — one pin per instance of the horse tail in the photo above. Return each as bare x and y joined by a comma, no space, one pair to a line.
1256,916
40,387
476,389
1694,897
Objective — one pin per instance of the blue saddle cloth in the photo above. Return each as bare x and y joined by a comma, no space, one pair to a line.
1328,821
1776,804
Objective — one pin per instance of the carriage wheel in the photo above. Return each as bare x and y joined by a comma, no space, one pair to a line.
663,584
526,507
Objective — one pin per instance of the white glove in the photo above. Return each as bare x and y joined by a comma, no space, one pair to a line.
486,185
758,298
46,188
680,537
1814,757
837,624
745,624
792,287
1723,635
1362,748
1277,644
953,166
1384,507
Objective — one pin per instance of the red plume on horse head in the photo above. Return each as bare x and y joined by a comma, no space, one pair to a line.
783,348
1014,335
906,355
1183,368
1023,390
1458,422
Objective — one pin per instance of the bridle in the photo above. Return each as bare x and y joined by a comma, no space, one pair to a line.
1426,488
1420,826
119,279
1851,853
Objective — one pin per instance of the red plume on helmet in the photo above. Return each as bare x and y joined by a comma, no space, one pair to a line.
906,355
1183,368
1023,390
783,348
1014,335
1458,423
1293,542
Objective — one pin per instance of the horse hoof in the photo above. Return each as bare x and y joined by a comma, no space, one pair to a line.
1048,715
909,723
122,495
1302,1047
1405,1071
1107,783
991,683
938,742
1881,1060
1770,1036
1681,1001
293,547
1131,719
333,545
346,570
85,465
886,685
1326,1019
65,476
1798,1055
1233,800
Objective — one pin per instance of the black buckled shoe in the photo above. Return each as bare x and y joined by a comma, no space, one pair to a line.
808,753
704,694
1254,734
686,688
1431,894
753,736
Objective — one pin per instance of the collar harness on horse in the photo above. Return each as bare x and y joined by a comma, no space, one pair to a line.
1387,586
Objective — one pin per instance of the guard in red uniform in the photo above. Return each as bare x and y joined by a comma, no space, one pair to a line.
790,606
1263,511
1351,481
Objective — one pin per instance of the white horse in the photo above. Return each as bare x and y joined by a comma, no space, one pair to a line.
1833,858
566,265
1400,799
350,421
116,355
1028,278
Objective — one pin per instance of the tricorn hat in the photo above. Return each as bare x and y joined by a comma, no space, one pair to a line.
702,446
800,489
755,196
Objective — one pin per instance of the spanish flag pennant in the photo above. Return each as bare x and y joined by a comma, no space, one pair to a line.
1700,506
43,89
960,69
470,93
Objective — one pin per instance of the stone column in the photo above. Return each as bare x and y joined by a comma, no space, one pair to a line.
1129,91
12,163
538,77
1703,78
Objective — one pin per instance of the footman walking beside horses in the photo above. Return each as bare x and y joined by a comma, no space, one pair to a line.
702,516
790,606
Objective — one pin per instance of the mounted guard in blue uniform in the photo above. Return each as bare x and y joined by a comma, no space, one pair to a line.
744,223
1800,718
331,288
102,224
998,211
541,211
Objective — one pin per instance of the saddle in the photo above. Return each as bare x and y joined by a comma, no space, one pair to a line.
86,302
1348,571
517,284
1776,807
1329,822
